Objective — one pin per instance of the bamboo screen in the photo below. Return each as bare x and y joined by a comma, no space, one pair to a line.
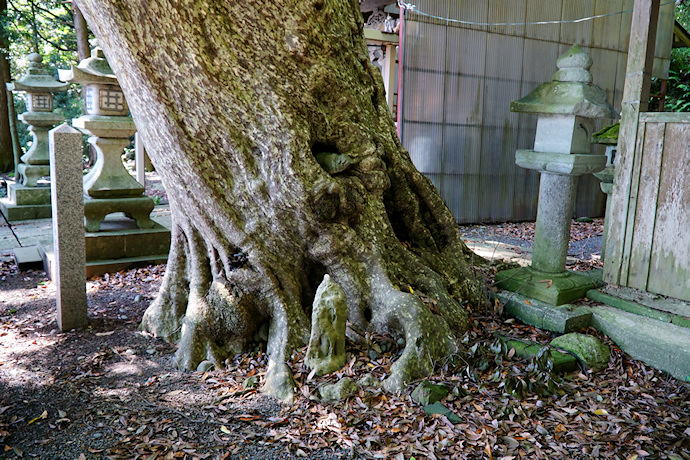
459,80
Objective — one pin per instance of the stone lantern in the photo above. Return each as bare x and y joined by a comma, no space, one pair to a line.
108,188
567,107
27,200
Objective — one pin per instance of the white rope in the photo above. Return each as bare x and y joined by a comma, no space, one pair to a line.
413,8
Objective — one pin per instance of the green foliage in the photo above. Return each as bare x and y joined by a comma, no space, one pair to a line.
45,27
678,92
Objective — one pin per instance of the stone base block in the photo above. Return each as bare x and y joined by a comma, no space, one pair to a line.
15,212
138,208
659,344
120,245
22,195
562,318
27,258
552,288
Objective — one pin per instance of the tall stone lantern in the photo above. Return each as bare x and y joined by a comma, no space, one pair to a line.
26,199
567,107
108,188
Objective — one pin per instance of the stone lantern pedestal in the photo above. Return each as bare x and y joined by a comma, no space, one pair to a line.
567,107
29,197
109,188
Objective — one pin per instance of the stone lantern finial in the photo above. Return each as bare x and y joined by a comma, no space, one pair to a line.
35,64
574,65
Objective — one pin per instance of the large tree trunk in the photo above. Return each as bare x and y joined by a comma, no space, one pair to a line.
6,152
270,129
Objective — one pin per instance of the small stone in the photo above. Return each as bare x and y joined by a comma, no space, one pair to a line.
428,393
204,366
150,351
373,355
129,351
137,298
345,388
122,310
587,348
369,381
401,342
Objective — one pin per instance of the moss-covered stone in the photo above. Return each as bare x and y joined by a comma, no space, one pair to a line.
587,348
345,388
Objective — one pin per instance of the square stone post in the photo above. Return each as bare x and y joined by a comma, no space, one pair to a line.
67,197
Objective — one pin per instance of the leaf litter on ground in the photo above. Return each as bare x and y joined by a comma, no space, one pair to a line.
111,392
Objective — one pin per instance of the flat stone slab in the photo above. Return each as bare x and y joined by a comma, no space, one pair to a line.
16,213
27,258
561,318
643,305
561,362
23,196
648,299
661,345
552,288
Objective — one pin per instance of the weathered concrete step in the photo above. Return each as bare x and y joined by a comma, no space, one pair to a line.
16,213
655,301
662,345
563,318
637,308
99,267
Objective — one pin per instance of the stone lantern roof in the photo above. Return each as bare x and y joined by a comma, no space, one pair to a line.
36,79
570,92
91,70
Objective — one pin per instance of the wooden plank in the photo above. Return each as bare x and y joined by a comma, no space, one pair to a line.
645,217
632,203
635,95
665,117
670,258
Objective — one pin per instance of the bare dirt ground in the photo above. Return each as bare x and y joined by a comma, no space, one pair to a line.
111,391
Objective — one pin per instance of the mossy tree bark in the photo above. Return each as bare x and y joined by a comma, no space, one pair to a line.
270,129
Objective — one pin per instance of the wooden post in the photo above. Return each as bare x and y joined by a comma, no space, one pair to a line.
388,73
67,194
635,100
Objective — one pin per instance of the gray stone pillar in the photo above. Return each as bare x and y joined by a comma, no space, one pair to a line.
554,214
69,251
